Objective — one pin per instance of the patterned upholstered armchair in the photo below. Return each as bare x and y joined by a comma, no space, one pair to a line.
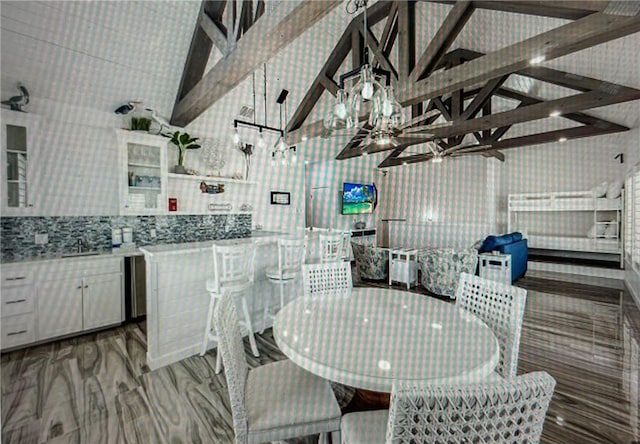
371,262
441,268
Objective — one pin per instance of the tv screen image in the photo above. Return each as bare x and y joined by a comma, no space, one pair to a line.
358,198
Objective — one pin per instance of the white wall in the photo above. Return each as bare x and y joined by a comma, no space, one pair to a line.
442,204
325,181
78,174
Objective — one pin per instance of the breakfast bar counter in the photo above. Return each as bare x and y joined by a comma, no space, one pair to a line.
177,298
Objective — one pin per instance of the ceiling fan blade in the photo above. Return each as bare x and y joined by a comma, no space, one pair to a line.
465,149
431,127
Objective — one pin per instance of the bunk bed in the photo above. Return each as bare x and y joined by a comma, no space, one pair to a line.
538,215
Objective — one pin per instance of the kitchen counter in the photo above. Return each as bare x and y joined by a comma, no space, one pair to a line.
195,247
260,235
178,300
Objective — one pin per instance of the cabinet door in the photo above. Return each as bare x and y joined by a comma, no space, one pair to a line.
102,300
18,156
143,175
59,308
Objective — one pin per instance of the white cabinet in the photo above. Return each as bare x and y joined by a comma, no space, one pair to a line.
17,312
19,151
102,300
49,299
143,173
59,308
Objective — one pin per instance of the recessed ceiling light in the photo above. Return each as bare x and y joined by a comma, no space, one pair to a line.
537,59
306,162
554,113
304,137
562,139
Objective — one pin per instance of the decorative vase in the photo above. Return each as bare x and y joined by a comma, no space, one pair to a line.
179,169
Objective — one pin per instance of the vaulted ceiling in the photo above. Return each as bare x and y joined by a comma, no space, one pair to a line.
100,54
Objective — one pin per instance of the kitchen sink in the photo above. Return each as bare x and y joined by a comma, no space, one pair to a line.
84,253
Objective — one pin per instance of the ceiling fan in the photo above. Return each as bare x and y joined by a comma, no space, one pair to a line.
436,154
378,134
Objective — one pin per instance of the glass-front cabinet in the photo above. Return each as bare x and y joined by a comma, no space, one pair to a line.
143,181
19,148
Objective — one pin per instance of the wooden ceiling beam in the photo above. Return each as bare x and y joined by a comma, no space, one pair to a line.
583,33
198,55
381,59
261,42
565,9
214,32
406,39
442,41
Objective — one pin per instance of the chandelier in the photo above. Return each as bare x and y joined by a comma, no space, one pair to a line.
281,153
366,87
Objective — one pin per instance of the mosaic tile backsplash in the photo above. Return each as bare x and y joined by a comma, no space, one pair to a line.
18,233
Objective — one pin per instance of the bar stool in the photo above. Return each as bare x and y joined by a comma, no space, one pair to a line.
346,246
291,257
331,249
233,273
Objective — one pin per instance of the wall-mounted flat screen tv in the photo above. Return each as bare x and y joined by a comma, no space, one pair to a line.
358,198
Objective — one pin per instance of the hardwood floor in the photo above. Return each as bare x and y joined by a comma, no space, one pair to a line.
97,388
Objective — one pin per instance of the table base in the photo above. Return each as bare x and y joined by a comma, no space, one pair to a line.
364,400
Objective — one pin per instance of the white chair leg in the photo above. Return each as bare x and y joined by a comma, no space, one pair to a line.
336,438
281,294
218,360
207,330
247,321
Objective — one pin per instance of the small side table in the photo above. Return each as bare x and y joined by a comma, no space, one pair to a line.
496,267
403,266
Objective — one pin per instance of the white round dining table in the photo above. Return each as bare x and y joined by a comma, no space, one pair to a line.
376,336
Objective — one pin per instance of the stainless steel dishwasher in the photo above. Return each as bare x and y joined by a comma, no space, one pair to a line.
136,288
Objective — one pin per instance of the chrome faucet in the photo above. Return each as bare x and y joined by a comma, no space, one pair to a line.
83,244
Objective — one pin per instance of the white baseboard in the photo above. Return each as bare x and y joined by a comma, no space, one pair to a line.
597,272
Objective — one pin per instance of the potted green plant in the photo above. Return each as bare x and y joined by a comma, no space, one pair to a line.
184,142
140,124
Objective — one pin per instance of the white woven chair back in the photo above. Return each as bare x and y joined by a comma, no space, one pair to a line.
291,254
233,267
236,369
501,307
327,279
331,249
500,411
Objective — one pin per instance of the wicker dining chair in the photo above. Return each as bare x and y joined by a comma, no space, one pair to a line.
500,411
327,279
501,307
272,402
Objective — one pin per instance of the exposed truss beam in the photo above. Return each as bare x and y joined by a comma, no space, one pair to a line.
566,9
583,33
214,32
441,42
261,42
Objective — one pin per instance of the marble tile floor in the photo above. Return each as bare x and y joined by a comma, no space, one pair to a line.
97,388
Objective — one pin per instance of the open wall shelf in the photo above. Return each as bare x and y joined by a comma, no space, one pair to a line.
173,176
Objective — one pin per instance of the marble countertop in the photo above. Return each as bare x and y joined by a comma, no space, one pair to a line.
195,247
256,236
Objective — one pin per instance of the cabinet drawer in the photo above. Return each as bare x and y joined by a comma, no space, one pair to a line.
16,276
18,330
79,267
17,300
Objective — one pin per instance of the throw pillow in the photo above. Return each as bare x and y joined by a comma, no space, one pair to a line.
614,190
600,190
